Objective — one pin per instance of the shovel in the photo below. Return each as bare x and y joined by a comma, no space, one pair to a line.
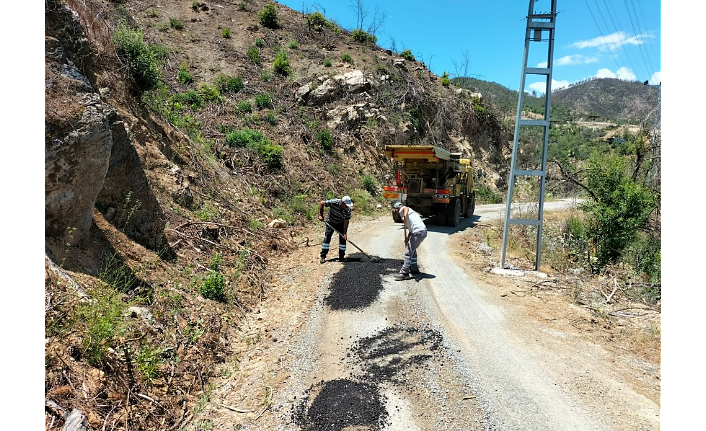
349,241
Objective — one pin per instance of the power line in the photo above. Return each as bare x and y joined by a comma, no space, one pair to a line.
600,32
627,53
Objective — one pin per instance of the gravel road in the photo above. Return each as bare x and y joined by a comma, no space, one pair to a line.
440,353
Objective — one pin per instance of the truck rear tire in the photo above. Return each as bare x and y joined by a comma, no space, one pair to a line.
470,206
396,216
453,212
473,204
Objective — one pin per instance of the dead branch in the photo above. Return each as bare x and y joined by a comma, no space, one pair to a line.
233,409
143,396
609,297
269,403
574,180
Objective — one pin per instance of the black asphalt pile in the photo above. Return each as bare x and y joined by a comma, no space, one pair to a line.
359,283
340,404
393,350
357,403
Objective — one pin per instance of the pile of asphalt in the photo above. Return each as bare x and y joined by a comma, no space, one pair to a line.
359,283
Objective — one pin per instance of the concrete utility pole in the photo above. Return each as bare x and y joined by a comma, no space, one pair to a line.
540,29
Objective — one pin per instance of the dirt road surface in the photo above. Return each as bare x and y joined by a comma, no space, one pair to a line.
444,351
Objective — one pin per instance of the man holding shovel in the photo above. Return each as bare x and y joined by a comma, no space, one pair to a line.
412,221
339,216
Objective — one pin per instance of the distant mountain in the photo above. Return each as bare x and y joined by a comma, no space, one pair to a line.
609,98
599,98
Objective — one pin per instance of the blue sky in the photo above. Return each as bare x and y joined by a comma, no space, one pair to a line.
593,38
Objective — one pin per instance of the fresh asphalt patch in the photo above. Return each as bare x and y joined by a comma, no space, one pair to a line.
359,282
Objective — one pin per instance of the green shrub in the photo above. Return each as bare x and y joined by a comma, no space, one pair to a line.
369,184
359,35
327,62
293,44
325,139
478,108
148,361
270,118
575,239
317,21
216,261
255,224
184,77
209,93
281,64
152,12
363,200
346,58
407,55
191,98
263,100
226,33
103,322
333,169
268,16
160,52
645,255
175,24
207,212
229,84
619,209
259,43
254,54
486,195
271,154
244,106
244,138
298,204
284,214
445,81
137,55
214,287
266,75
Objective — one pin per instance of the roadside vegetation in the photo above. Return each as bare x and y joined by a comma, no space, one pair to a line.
616,228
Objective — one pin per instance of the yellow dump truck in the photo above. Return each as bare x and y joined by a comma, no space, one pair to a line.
432,181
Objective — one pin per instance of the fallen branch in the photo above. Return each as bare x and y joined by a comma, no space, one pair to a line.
233,409
269,403
609,297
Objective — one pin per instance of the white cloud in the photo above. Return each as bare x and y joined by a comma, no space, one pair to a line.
626,74
541,87
605,73
570,60
656,78
623,73
556,85
611,42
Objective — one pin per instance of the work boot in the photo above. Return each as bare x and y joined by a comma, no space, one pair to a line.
323,259
400,277
414,271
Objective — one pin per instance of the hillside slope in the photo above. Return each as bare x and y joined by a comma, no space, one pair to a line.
160,227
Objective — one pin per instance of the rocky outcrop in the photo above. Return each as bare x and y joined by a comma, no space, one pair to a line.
78,142
313,94
91,160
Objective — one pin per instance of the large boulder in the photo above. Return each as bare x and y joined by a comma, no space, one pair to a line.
332,88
